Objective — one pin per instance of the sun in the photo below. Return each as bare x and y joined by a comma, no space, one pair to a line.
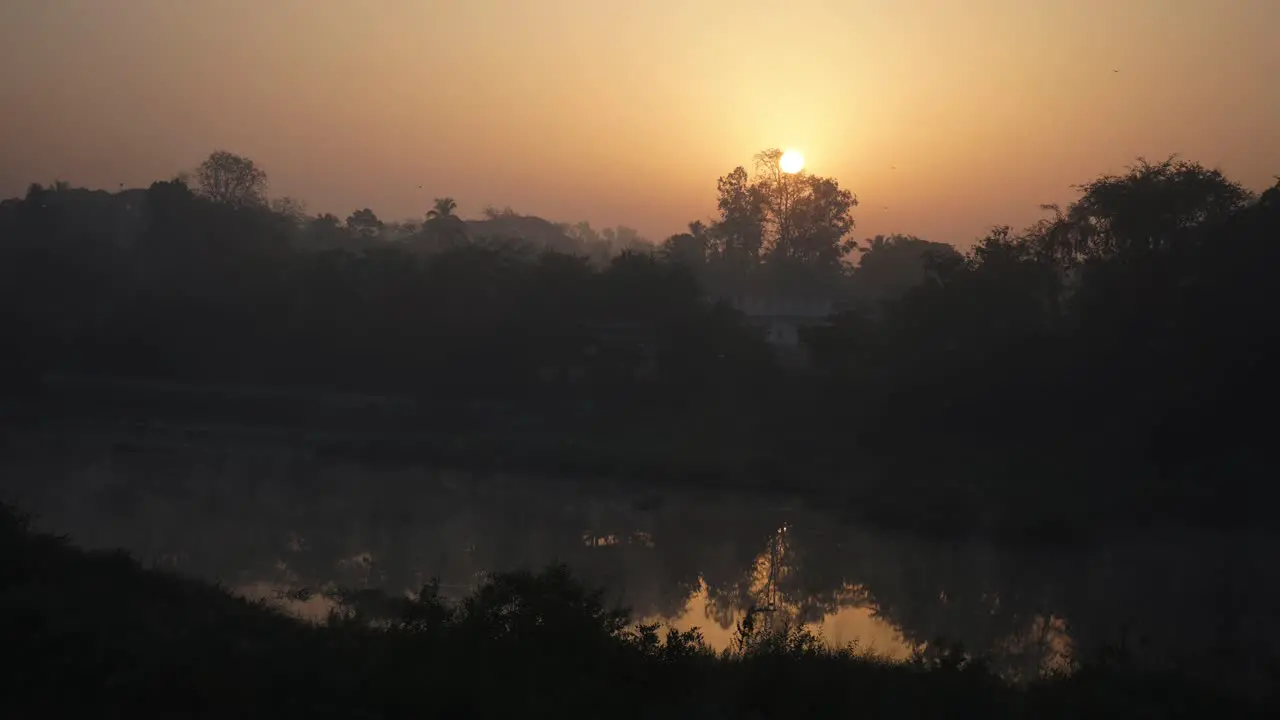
791,162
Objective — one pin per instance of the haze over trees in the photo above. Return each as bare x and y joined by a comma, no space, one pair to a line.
1114,354
1107,370
229,179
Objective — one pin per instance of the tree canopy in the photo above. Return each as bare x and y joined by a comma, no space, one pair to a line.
232,180
1114,352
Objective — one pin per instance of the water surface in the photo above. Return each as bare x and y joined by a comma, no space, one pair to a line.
265,516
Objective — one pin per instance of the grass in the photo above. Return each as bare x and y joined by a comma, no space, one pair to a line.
93,631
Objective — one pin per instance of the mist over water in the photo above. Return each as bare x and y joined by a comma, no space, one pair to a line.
571,359
269,518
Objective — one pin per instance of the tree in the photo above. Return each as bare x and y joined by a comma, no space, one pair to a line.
232,180
292,208
169,207
1148,209
325,232
400,230
364,223
591,243
797,222
807,216
443,208
581,231
742,219
443,227
893,264
689,248
491,212
626,239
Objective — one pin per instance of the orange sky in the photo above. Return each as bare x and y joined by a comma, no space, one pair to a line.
626,112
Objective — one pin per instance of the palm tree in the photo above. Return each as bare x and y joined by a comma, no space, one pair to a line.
442,226
443,208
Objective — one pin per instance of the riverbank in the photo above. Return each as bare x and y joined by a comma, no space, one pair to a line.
921,488
96,630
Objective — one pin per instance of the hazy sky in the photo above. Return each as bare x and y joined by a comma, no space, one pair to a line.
627,112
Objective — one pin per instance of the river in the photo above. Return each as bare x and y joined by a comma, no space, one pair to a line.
263,517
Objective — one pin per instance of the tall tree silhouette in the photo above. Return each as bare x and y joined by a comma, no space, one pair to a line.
689,248
443,228
808,217
741,226
232,180
364,223
444,207
890,265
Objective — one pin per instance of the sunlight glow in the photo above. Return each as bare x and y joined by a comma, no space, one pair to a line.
791,162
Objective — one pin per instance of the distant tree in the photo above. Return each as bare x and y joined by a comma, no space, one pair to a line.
443,228
689,248
170,202
364,223
584,232
592,243
401,230
626,239
444,207
326,232
1270,198
232,180
893,264
37,195
291,208
492,213
1141,211
172,233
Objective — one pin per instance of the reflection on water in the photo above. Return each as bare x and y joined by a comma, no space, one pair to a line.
269,522
854,624
849,625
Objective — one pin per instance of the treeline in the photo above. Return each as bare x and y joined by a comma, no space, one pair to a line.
1113,362
203,288
1116,355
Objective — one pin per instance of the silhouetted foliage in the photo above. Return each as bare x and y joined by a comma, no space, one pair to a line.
1124,338
890,266
1103,367
364,223
232,180
95,631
